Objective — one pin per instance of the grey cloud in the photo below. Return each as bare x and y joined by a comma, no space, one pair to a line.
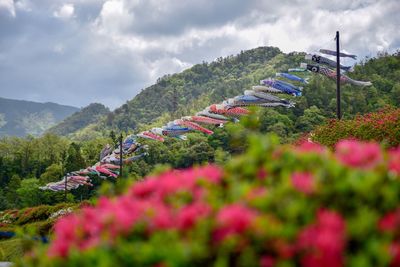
178,16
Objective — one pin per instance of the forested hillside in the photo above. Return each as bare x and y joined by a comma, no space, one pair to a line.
195,88
80,119
20,118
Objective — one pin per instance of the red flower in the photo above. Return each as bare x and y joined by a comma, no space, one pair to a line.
210,173
145,188
323,243
310,147
189,215
331,220
390,221
65,231
358,154
303,182
394,251
233,219
267,261
262,173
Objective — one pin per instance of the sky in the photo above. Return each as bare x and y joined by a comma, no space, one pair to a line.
76,52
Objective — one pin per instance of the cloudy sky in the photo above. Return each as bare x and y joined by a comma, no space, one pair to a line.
76,52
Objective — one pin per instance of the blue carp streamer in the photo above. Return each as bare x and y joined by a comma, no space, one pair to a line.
292,77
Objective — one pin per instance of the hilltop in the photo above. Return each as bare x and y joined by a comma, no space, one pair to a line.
80,119
21,118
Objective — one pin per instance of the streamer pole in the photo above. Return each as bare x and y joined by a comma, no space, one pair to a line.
120,155
338,106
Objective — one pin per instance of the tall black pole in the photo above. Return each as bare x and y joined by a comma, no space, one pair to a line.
120,155
338,107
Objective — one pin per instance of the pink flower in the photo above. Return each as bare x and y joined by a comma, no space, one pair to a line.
394,161
390,221
233,219
394,251
310,147
358,154
162,218
267,261
65,231
175,181
262,174
303,182
331,220
189,215
145,188
211,173
323,243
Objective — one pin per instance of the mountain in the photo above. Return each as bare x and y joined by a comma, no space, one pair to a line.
185,93
193,89
80,119
21,118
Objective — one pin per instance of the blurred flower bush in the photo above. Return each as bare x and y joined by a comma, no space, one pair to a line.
382,126
273,206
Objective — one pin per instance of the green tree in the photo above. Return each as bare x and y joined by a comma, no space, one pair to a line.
74,159
3,200
29,193
311,118
53,173
11,189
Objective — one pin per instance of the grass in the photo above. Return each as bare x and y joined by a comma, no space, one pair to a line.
11,249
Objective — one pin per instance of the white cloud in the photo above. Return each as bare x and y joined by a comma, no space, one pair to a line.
24,5
114,17
66,11
8,6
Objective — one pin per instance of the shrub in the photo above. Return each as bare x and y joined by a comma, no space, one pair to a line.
273,206
382,126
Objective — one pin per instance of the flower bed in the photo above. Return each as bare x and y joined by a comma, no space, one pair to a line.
382,126
273,206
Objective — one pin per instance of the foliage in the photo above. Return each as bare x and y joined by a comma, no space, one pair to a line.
39,220
11,250
80,119
273,206
52,173
44,159
382,126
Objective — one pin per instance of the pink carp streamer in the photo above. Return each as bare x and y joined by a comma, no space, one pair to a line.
205,120
150,135
225,110
194,126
